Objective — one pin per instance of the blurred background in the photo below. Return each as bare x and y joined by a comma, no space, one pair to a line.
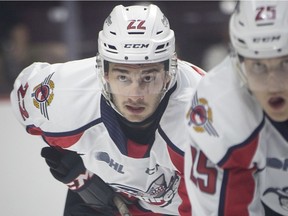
58,31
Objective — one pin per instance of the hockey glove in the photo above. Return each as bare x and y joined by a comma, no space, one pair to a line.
67,167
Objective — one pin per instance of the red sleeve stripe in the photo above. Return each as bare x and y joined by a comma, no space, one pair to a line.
238,188
238,185
61,139
241,155
177,157
63,142
198,70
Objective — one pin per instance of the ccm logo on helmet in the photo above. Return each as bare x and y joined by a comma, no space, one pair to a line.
136,46
267,39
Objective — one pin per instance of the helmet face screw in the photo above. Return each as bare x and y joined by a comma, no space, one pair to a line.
146,57
126,57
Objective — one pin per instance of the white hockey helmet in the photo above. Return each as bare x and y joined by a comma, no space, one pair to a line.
259,29
136,34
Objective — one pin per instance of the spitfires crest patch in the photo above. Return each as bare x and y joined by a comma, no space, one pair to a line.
43,95
200,116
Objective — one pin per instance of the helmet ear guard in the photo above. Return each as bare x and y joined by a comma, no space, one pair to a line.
173,67
100,70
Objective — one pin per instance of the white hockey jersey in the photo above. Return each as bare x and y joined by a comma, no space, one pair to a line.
230,141
63,104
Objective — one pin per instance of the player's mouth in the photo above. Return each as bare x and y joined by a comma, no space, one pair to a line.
276,102
135,109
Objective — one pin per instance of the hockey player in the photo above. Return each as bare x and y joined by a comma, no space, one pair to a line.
121,111
238,120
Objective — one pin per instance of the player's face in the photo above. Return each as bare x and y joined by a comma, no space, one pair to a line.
136,88
268,81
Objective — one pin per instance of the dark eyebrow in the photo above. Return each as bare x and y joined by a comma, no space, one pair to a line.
152,70
147,71
120,70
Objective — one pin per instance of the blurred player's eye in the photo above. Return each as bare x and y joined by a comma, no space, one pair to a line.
258,68
284,65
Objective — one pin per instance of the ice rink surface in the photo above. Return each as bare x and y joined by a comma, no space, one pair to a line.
27,188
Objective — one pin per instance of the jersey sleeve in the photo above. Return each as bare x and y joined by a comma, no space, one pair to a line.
56,98
224,122
223,115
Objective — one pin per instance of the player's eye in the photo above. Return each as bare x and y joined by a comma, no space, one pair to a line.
258,68
284,65
122,78
148,78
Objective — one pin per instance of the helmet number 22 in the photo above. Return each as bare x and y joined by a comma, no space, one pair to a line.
136,24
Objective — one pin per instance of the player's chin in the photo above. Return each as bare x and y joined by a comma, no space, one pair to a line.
135,118
279,118
278,115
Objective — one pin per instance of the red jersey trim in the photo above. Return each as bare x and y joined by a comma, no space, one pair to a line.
238,185
61,139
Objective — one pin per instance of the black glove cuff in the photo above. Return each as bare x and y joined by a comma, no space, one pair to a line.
98,193
76,178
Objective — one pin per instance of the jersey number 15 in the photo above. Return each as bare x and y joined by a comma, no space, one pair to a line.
202,175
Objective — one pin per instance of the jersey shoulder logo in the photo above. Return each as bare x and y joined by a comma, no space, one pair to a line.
200,116
43,95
